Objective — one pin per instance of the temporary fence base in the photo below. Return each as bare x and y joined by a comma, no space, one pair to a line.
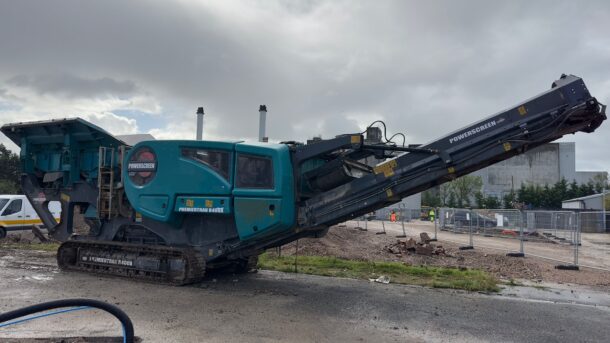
468,247
380,233
401,236
567,267
515,254
432,240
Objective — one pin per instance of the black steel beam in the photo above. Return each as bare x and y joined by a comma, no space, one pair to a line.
566,108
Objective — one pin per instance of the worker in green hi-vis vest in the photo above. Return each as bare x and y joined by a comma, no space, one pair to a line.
431,215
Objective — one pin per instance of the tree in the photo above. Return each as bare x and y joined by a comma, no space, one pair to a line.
600,182
451,200
466,187
430,198
444,191
510,199
551,197
9,171
479,199
491,202
587,189
573,190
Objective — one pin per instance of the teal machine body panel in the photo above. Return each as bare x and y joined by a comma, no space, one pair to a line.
168,181
261,211
67,150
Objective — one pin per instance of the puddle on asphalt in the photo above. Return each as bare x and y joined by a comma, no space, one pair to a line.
36,277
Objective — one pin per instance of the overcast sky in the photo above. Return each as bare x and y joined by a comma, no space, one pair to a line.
322,67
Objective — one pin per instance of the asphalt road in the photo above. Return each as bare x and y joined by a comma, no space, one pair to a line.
274,307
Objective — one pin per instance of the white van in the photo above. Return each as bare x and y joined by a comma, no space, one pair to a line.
16,213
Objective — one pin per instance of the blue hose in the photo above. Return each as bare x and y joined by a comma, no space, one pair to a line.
81,304
44,315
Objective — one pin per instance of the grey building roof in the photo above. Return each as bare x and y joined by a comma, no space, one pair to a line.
593,196
136,138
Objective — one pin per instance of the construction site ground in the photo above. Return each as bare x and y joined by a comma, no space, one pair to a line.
349,242
273,306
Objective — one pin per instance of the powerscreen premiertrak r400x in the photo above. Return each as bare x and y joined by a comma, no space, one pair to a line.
166,211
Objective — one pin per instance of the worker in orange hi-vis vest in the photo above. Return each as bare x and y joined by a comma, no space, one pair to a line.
393,216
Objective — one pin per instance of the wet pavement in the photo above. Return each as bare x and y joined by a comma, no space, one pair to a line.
273,307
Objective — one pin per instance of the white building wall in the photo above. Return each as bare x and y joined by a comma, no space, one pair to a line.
586,176
567,161
538,166
411,202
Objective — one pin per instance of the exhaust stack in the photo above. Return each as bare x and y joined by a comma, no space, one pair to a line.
200,123
262,122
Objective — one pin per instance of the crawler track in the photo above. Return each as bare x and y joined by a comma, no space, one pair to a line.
152,263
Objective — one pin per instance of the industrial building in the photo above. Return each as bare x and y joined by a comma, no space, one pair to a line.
593,202
541,166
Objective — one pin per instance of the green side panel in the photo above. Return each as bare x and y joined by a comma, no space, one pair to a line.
259,217
205,204
155,205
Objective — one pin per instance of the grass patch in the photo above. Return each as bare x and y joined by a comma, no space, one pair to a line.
438,277
52,247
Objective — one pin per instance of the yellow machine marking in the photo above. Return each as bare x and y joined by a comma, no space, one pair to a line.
386,168
190,202
209,203
356,139
522,110
389,193
507,146
65,197
451,170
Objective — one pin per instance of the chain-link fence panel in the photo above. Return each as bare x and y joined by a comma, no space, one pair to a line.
559,226
595,222
553,235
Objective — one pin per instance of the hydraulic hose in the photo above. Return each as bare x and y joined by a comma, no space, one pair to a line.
128,332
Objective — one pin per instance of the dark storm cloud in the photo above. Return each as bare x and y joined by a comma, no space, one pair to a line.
322,67
72,86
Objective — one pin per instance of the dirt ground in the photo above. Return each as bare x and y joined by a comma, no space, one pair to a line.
351,243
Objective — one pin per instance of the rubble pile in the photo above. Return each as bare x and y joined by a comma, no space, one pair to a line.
410,246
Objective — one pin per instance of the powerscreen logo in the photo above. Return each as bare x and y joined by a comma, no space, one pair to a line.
142,166
472,132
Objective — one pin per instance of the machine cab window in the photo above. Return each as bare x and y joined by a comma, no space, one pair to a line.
254,172
214,159
13,207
